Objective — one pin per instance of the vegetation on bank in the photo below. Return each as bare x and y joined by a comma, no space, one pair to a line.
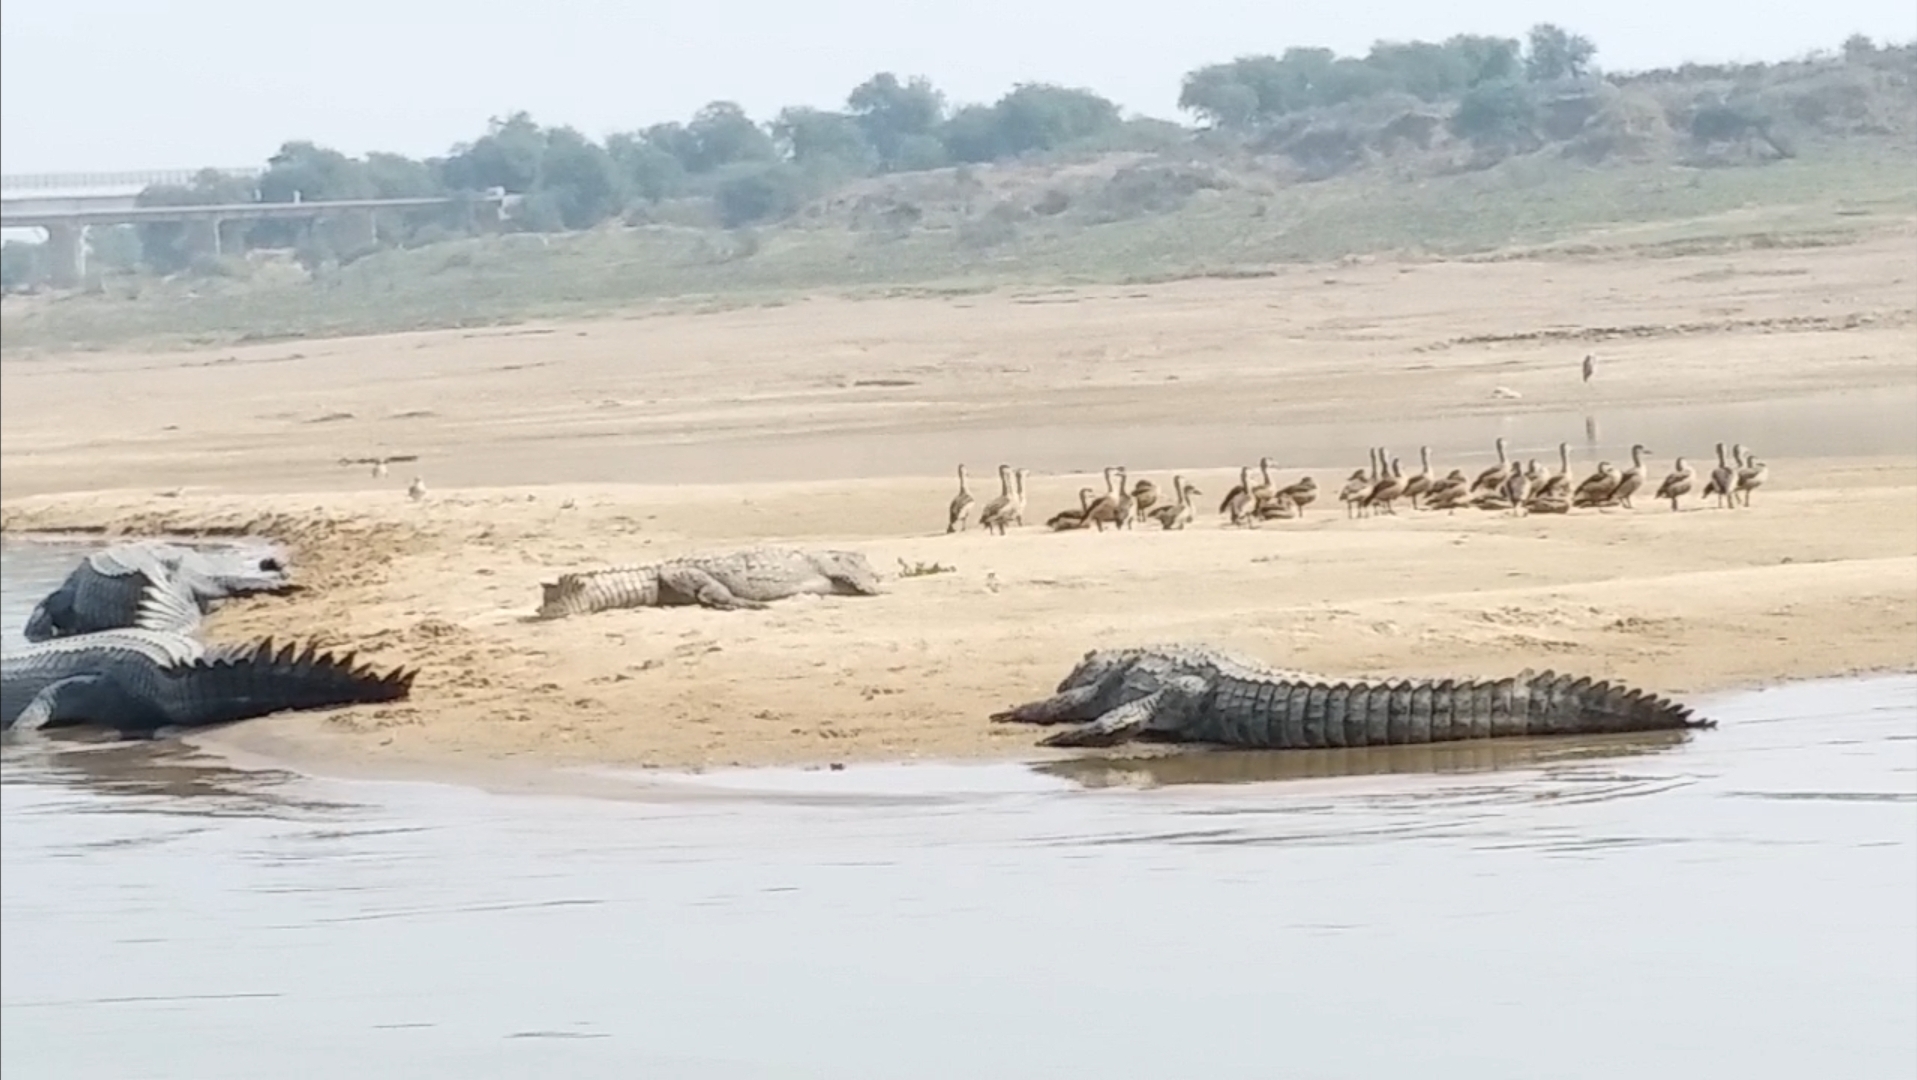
1445,147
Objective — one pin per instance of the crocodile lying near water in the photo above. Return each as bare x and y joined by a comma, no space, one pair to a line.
154,585
1181,693
750,578
140,681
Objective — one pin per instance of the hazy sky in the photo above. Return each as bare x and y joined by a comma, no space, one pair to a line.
117,84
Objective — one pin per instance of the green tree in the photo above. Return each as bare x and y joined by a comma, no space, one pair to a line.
1041,116
580,179
652,172
21,266
1220,97
722,134
1502,114
1556,53
972,134
507,156
815,137
1488,59
303,172
396,176
755,193
891,112
163,243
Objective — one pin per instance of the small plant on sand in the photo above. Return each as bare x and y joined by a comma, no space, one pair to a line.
923,569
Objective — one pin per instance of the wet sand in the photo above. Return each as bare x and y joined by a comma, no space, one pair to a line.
554,447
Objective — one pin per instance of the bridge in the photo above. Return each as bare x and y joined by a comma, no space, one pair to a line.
65,205
131,183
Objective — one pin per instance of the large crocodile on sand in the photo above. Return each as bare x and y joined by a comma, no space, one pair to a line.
142,681
154,585
1182,693
750,578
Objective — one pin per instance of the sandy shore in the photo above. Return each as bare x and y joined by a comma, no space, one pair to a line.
848,415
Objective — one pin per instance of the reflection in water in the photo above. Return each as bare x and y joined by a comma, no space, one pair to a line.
153,776
1591,432
1218,766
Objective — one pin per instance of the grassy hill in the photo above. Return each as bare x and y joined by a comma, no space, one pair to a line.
1813,152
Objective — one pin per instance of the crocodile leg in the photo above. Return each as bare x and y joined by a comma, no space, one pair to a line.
1114,727
81,699
704,589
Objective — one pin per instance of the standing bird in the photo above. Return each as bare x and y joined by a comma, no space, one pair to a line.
379,467
1590,366
961,506
999,512
1632,479
1721,481
1750,477
417,489
1678,483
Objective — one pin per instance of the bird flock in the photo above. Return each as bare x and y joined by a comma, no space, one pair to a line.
1509,486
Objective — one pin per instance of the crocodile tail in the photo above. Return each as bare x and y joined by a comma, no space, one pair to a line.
1310,714
1558,704
589,591
242,683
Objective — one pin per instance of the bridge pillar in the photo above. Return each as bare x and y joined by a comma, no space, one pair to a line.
66,255
360,232
203,236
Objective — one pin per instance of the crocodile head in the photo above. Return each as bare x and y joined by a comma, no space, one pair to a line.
235,570
850,571
1096,666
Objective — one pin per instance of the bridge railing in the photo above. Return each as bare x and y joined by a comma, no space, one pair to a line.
134,181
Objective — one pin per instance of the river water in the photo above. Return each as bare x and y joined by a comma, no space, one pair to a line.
1742,902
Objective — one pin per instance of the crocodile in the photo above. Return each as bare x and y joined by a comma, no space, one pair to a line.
1195,693
749,578
142,681
155,585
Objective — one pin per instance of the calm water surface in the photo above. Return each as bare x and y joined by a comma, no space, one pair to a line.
1740,903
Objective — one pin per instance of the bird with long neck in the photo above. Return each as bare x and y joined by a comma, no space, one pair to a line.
1417,484
1388,490
1073,519
1355,489
1239,502
1127,514
1105,507
1265,489
961,505
1723,479
995,515
1178,513
1018,497
1632,479
1597,488
1301,493
1493,478
1678,483
1558,483
1750,477
1517,490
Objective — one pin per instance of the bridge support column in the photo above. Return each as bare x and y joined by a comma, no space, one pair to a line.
66,255
360,232
203,236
